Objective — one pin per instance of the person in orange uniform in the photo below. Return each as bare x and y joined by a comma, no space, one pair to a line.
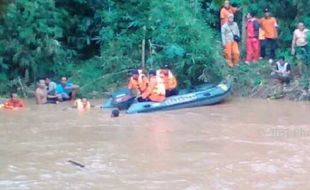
138,81
14,102
252,39
269,26
155,91
231,46
226,11
169,80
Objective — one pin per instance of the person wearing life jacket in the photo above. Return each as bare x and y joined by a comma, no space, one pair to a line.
82,104
169,80
155,91
138,81
282,71
14,102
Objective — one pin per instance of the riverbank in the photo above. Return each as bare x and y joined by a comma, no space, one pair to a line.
254,81
249,81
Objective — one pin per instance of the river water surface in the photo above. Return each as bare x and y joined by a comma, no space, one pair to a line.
240,144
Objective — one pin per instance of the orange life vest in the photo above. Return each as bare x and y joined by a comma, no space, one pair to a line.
169,80
160,86
155,91
140,85
10,104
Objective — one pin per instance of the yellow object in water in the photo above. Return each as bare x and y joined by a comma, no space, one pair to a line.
82,105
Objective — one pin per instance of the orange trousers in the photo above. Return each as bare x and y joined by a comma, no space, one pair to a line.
232,54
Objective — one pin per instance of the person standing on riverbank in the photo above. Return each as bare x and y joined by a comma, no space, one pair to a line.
226,11
252,40
269,26
300,47
230,38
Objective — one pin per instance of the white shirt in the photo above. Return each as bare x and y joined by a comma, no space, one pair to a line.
52,86
300,37
228,31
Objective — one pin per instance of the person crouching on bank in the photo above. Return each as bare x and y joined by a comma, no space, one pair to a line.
282,71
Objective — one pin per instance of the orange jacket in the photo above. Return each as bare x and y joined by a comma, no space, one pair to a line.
10,104
156,90
225,13
261,34
269,26
140,85
169,80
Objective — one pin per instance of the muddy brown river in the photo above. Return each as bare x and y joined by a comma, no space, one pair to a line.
242,144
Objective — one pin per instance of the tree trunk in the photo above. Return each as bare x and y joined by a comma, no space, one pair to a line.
243,31
143,55
26,75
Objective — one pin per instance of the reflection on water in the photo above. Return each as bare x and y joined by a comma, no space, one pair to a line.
241,144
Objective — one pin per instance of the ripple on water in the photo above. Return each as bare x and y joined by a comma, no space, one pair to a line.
218,147
264,168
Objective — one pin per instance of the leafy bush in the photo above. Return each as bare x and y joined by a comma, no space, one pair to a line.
30,36
93,39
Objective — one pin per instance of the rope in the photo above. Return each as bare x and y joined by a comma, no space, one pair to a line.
103,77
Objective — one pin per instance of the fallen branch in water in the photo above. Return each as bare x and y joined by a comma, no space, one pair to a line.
76,164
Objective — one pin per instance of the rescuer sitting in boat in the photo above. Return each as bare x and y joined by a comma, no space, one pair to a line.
155,90
138,81
169,80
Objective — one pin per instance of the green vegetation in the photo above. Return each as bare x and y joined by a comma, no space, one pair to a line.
96,42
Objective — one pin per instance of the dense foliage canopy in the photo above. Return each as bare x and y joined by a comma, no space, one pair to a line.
96,42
